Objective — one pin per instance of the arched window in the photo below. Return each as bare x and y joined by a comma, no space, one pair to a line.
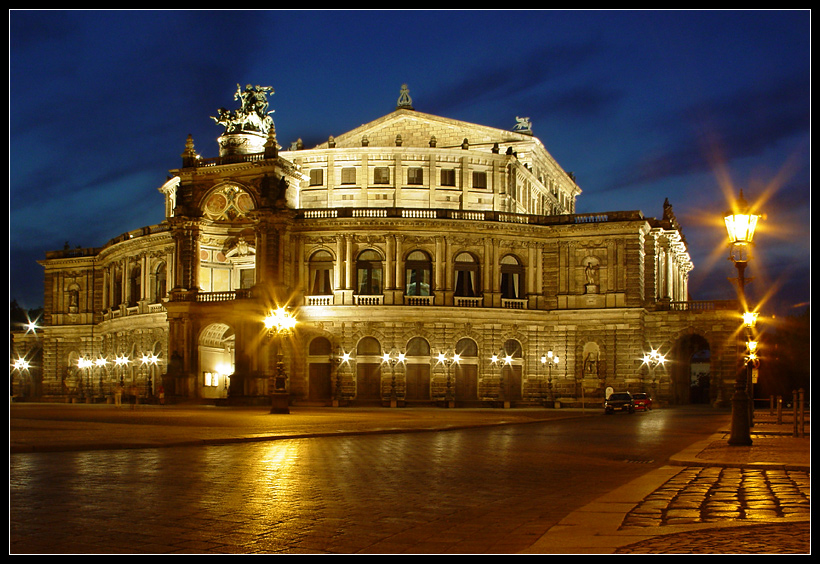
466,271
319,346
135,286
513,349
418,346
512,278
161,283
466,348
116,290
418,274
320,274
369,273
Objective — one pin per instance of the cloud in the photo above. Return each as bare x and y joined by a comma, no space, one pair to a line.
741,125
506,79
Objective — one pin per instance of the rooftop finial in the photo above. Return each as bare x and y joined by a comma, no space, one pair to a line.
405,102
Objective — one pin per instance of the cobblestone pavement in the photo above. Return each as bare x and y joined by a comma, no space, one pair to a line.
791,538
713,495
711,499
709,495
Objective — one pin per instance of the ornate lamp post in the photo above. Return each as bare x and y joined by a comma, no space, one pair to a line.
740,226
752,361
652,360
549,360
279,323
337,359
150,360
448,361
101,363
85,364
21,365
496,359
121,361
393,358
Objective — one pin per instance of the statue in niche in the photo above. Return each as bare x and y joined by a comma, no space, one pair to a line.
253,114
73,301
589,273
590,276
591,365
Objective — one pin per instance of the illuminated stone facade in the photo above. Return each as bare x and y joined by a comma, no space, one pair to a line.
413,234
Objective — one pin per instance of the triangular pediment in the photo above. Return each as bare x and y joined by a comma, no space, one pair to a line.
417,129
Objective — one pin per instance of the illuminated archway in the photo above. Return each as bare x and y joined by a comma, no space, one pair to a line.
217,357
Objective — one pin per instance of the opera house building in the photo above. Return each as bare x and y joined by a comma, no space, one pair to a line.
415,260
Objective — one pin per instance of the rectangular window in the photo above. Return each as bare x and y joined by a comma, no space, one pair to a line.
316,177
415,176
479,180
381,175
246,278
349,175
448,177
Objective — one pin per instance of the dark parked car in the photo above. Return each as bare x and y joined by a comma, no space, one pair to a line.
619,401
642,401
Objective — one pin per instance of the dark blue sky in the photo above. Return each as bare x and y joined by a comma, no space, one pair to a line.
640,105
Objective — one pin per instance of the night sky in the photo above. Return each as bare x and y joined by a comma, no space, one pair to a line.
641,106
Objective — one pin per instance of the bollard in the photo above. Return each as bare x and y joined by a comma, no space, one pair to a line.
794,413
779,410
802,408
771,405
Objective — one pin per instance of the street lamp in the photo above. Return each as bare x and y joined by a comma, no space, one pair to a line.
751,361
448,361
101,363
652,360
21,365
85,364
279,323
150,360
740,225
337,359
122,362
497,359
393,358
549,360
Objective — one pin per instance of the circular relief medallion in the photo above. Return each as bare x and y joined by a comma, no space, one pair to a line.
244,203
216,204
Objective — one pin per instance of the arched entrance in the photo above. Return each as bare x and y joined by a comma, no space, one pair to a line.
466,371
368,370
320,386
511,370
690,372
217,358
417,370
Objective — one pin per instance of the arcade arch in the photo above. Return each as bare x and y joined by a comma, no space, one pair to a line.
217,359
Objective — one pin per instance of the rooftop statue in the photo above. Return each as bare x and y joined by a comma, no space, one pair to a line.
253,115
523,125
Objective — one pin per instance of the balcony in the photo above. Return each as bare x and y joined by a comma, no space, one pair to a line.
209,297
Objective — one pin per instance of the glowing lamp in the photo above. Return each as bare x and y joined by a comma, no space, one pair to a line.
750,318
740,225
